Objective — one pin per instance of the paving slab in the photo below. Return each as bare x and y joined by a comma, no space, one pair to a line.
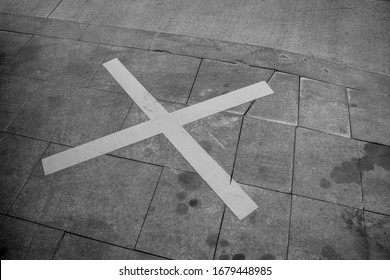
217,78
215,49
346,32
10,45
167,77
40,8
375,172
370,116
282,105
265,155
327,71
118,36
73,247
42,26
217,134
19,155
326,167
263,235
24,240
14,93
324,107
71,115
184,218
326,231
378,231
58,60
105,198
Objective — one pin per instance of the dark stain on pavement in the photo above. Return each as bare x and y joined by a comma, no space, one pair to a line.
181,209
223,243
189,181
375,155
196,203
325,184
224,257
211,240
329,253
347,172
268,257
239,257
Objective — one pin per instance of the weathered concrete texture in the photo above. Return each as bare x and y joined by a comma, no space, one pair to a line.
184,218
71,115
324,107
375,170
265,155
118,36
74,247
41,26
41,8
353,32
58,60
19,155
14,92
217,134
105,198
339,74
320,230
213,49
370,116
263,235
326,167
10,45
282,105
217,78
24,240
167,77
378,231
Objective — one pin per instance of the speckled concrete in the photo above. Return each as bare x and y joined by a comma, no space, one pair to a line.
183,219
326,167
325,231
25,240
320,141
73,247
261,236
70,115
167,77
58,60
217,78
94,199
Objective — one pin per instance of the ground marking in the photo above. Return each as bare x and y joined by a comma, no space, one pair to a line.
171,125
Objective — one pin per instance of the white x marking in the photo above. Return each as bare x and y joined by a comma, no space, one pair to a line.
171,125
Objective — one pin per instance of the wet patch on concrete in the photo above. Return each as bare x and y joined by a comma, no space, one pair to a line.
325,184
238,257
346,172
195,203
189,181
268,257
211,240
329,253
375,155
181,209
223,243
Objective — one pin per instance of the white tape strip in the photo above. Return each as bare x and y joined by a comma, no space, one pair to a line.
171,125
214,175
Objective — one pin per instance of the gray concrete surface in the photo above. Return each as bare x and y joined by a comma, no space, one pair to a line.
322,195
